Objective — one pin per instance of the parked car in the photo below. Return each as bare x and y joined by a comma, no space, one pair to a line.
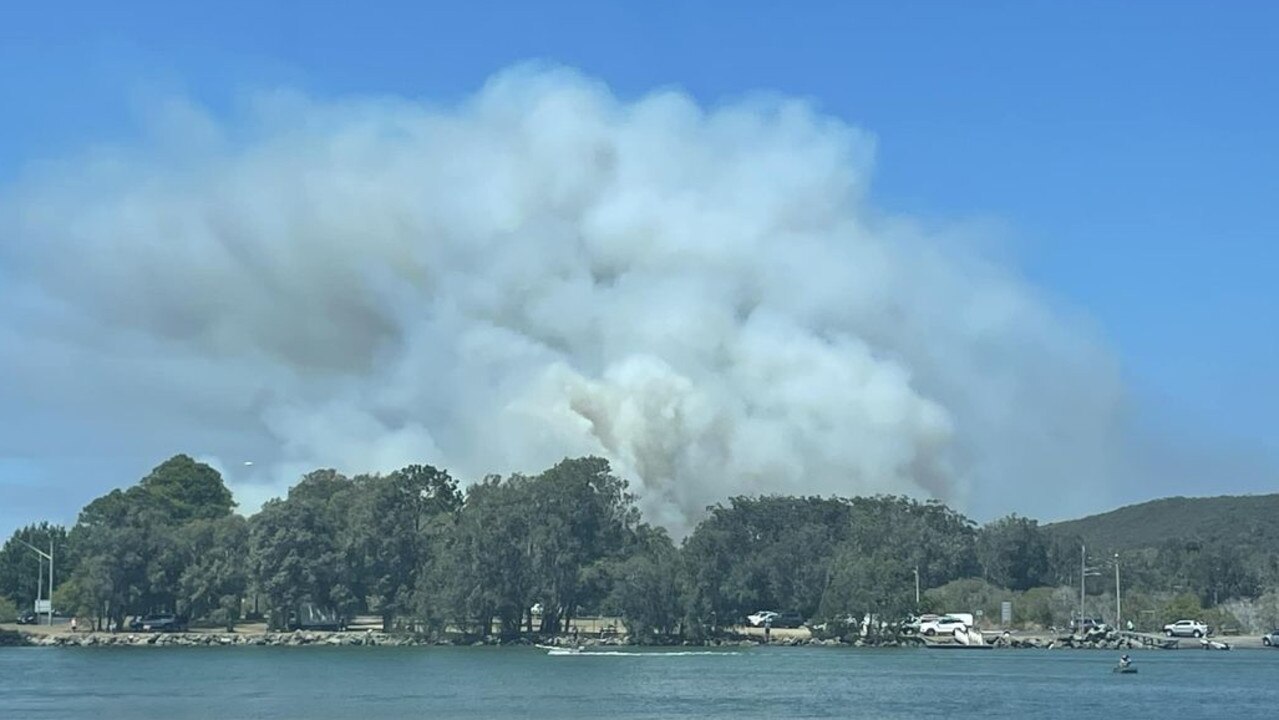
788,619
944,625
914,623
758,619
28,618
309,616
1186,628
1271,639
159,622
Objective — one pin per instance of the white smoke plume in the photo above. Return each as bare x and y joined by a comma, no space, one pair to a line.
701,295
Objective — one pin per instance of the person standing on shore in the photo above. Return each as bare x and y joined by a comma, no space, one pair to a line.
73,624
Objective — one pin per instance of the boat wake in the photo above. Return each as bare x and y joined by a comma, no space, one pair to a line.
622,653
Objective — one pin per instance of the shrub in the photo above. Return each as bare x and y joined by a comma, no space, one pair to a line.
8,610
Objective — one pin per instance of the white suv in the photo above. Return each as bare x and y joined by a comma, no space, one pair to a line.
1186,628
943,625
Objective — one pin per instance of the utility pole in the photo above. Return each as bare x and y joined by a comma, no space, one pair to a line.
1119,618
1083,572
916,587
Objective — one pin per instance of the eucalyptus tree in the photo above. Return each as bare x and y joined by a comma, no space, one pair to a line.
645,588
388,539
581,518
129,543
296,547
1014,553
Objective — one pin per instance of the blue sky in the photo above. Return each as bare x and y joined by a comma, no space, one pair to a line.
1124,153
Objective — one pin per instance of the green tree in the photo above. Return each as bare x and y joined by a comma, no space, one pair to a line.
129,544
21,569
128,558
215,575
295,547
8,610
761,553
1013,553
878,582
185,490
645,590
388,538
929,536
581,517
485,568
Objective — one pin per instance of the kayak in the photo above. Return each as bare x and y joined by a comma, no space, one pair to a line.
1130,670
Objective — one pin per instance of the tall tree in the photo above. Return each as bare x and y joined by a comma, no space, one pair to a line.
130,542
878,582
892,538
1013,553
761,553
645,588
186,490
485,568
295,547
581,517
387,538
21,569
215,576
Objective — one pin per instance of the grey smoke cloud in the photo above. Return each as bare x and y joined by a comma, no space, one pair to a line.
704,296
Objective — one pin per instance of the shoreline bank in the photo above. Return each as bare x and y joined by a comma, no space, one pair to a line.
370,638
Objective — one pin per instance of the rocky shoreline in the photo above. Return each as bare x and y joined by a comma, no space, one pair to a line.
290,639
376,638
370,638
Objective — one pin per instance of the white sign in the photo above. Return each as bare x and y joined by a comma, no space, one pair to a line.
44,606
1006,612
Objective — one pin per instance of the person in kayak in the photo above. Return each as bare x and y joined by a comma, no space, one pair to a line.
1124,662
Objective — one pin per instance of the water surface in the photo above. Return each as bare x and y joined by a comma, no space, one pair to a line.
498,683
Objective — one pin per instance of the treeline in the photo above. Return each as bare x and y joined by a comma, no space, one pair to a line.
412,547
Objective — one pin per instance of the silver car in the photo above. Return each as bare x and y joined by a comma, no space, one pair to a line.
1271,639
1186,628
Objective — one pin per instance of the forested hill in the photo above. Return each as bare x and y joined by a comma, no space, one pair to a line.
1245,521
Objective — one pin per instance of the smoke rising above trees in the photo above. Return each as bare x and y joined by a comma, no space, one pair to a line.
703,295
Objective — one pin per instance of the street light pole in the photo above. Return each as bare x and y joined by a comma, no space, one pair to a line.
47,556
917,588
50,580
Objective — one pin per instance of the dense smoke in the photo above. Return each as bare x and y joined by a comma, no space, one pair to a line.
701,295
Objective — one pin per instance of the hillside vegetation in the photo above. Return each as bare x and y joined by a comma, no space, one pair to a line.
1246,521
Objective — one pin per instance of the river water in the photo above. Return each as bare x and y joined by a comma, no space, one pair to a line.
497,683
